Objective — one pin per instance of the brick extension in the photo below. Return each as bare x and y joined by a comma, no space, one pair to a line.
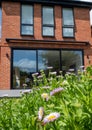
11,29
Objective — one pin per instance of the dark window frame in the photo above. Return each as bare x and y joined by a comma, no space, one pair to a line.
68,26
24,24
48,25
37,49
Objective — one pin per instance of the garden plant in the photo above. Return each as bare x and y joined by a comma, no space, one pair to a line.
55,102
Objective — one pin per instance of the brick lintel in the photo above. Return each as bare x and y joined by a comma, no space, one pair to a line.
64,42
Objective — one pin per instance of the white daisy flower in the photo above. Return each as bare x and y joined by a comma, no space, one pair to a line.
35,74
51,117
45,96
49,67
40,113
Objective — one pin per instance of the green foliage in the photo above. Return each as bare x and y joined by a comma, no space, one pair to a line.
74,103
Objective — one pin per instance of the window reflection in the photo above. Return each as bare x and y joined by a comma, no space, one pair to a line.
24,64
27,30
48,16
68,22
27,20
48,58
27,14
48,29
68,32
48,21
68,16
71,60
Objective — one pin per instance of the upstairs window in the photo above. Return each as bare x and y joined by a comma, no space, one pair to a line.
48,21
68,22
27,20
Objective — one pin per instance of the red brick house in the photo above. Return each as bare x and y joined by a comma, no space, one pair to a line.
36,34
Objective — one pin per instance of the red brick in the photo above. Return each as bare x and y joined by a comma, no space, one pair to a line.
11,29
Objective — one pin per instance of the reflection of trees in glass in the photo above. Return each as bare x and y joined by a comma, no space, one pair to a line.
50,58
23,78
70,59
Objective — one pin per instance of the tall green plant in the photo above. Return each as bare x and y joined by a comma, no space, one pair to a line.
54,103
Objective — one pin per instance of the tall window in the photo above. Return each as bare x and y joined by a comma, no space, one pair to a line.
0,20
27,20
48,21
24,64
68,22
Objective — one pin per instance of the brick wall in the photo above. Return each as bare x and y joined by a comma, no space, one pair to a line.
5,68
11,29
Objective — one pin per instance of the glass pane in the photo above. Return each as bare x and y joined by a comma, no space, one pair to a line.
27,14
48,31
27,30
48,16
0,20
24,64
68,32
68,16
48,58
71,60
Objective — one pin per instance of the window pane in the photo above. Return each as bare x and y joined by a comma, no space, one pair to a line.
48,31
0,20
27,14
68,16
71,60
28,30
24,64
48,58
68,32
48,16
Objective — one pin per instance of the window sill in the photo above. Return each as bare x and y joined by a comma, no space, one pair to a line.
27,35
68,37
48,36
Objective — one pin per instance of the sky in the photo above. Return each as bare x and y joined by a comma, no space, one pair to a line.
91,17
86,0
90,11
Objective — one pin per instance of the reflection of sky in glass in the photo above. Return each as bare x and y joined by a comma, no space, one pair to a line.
85,0
48,58
48,16
25,60
28,30
0,21
68,16
42,61
27,14
48,31
91,17
68,32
